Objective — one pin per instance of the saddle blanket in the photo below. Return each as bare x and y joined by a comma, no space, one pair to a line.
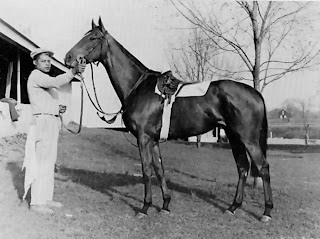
184,90
189,89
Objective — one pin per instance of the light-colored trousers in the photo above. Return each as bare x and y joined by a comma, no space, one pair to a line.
46,142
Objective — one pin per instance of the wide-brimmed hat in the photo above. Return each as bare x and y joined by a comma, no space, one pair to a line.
39,51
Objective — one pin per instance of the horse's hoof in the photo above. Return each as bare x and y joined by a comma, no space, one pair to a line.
164,211
229,212
265,219
141,215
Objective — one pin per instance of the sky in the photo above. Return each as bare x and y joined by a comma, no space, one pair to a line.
144,27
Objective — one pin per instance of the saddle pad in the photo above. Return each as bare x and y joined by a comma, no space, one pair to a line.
188,90
194,89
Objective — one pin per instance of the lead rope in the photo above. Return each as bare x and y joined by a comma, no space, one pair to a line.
97,105
94,88
80,60
81,112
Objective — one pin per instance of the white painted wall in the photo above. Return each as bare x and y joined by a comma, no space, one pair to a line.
9,128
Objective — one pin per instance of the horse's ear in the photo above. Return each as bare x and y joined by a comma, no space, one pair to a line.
93,24
101,25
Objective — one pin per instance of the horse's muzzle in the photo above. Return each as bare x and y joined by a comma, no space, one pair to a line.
81,59
67,60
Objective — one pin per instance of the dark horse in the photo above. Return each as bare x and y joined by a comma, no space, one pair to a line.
237,107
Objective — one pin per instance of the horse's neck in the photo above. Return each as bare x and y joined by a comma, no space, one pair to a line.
124,69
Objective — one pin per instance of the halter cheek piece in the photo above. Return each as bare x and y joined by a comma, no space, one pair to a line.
99,43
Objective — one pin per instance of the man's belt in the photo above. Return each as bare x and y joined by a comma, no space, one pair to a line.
46,114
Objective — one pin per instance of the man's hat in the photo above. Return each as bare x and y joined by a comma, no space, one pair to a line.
38,51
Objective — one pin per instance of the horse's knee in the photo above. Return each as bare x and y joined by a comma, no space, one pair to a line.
147,173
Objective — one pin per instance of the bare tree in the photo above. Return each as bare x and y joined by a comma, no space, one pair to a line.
191,62
266,36
198,59
304,106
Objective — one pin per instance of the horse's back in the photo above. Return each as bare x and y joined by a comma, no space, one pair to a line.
237,90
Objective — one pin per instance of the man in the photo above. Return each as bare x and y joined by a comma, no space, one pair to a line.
43,96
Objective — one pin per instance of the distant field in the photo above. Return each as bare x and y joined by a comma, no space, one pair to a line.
293,128
293,122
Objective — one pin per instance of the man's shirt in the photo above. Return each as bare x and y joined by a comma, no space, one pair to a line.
42,91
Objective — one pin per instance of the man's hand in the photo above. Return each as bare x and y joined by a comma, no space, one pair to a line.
78,68
81,68
62,109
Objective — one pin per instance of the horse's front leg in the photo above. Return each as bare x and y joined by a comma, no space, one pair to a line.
158,169
145,144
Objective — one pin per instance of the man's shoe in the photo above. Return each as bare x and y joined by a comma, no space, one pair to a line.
54,204
42,209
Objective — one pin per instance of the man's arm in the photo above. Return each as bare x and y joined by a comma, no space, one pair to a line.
46,81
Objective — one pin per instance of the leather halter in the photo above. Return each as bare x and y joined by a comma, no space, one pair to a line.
99,43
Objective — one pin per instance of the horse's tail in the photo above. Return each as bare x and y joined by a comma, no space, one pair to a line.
264,132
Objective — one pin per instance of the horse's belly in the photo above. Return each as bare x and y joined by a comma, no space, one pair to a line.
191,117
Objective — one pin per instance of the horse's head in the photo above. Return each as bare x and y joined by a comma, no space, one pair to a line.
90,46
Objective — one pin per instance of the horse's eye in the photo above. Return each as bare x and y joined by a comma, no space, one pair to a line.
91,38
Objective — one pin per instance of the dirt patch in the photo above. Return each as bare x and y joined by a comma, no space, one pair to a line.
100,187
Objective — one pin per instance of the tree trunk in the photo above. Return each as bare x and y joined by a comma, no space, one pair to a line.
257,46
257,38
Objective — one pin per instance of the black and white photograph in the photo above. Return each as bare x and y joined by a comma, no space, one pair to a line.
159,119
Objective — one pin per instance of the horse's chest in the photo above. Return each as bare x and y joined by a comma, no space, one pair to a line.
143,113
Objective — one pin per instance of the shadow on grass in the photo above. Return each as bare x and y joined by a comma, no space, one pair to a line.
106,183
193,176
18,180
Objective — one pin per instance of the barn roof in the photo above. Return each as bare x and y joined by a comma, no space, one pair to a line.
283,111
12,36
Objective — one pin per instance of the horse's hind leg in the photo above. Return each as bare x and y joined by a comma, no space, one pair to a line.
257,181
261,163
240,156
158,169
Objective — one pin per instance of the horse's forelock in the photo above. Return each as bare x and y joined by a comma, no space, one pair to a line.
91,30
